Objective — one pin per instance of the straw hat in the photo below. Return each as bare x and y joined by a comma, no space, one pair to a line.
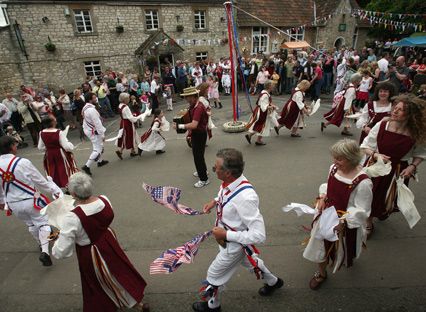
189,91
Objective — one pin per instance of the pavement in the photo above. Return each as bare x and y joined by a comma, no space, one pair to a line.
389,276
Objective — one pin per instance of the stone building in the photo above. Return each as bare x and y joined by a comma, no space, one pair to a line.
58,43
338,28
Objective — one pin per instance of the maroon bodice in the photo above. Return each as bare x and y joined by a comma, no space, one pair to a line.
96,225
374,117
338,192
393,144
51,139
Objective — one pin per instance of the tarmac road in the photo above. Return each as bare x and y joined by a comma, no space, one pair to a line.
389,276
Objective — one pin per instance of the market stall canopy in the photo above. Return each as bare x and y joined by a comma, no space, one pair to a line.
412,42
295,45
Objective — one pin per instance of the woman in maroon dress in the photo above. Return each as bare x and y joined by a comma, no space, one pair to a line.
377,109
109,280
349,192
397,139
127,133
58,160
294,109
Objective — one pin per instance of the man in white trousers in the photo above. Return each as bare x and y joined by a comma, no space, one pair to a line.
95,131
239,225
20,188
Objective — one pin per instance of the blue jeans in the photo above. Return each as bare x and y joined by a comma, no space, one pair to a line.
317,89
105,107
289,84
327,82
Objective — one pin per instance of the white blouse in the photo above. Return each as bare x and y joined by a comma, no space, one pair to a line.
298,98
63,141
72,231
371,142
350,96
364,119
359,200
127,113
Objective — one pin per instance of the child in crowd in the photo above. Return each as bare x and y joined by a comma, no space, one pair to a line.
226,82
362,94
168,96
152,140
213,93
10,131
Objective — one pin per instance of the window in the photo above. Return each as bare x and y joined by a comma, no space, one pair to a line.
260,39
297,34
92,68
151,19
4,19
200,56
200,19
83,21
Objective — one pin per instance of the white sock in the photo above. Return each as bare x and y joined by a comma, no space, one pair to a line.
43,233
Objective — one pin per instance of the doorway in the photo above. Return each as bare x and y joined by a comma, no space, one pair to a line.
339,43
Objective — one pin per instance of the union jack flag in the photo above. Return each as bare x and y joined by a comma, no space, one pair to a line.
172,259
169,196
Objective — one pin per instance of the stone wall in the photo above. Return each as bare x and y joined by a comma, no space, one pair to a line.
65,66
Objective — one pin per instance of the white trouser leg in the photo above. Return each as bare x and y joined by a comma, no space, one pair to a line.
97,145
269,278
37,224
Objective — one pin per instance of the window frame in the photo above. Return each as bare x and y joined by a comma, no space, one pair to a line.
92,65
199,56
81,15
146,16
202,16
300,35
262,38
5,15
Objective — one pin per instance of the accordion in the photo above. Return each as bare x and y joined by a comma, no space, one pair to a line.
183,117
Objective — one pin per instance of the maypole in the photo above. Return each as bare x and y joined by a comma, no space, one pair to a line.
235,125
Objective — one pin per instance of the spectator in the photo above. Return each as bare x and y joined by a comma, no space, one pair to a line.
15,118
398,75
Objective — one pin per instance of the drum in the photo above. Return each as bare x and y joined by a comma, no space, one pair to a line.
183,117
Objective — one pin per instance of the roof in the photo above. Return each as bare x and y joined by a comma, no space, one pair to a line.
279,13
155,39
419,41
295,45
121,2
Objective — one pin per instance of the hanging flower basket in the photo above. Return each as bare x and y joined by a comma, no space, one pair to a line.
179,28
50,46
119,29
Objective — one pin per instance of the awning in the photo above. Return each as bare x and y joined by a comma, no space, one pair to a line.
295,45
412,42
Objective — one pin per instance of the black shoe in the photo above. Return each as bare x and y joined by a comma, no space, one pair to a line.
220,105
323,127
45,259
260,143
203,306
160,152
267,290
86,170
119,154
133,154
277,130
103,163
248,138
140,151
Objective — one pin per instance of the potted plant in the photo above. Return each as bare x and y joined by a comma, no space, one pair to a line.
119,29
179,28
50,46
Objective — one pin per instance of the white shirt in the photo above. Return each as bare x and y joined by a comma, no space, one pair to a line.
298,98
11,105
92,120
371,142
364,119
264,100
383,65
242,214
6,113
63,141
154,87
127,113
365,84
28,174
72,231
350,96
65,101
360,198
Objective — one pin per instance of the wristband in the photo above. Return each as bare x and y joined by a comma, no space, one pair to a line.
181,126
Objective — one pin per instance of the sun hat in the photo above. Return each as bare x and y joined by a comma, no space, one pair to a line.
189,91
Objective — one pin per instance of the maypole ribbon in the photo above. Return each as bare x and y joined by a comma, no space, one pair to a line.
228,7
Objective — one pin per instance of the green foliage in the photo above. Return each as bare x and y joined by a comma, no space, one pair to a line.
399,6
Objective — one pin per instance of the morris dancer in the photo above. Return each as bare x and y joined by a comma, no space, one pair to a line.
237,227
377,109
294,110
95,131
398,139
109,280
203,94
127,140
348,191
19,190
261,122
58,160
152,140
342,106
